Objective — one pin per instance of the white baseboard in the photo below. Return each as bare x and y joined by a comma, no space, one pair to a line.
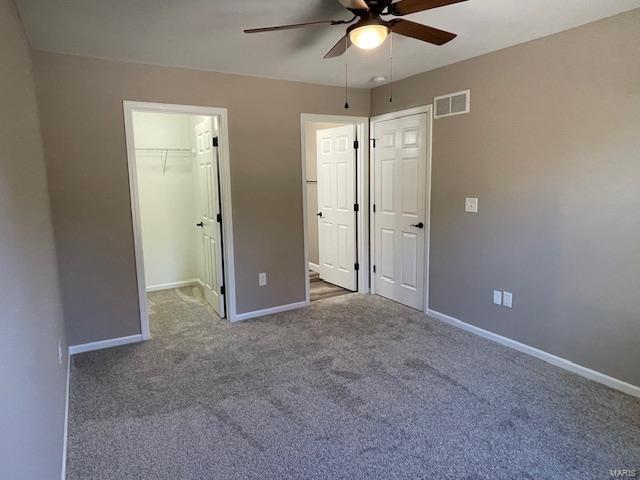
167,286
314,267
63,474
269,311
112,342
541,354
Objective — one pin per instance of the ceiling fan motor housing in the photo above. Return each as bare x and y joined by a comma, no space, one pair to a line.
367,18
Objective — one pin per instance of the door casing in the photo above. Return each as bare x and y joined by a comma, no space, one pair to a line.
225,185
362,193
428,109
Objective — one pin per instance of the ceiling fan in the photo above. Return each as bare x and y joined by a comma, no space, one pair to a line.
370,29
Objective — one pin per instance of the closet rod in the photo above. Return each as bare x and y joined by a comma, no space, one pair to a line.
166,154
166,149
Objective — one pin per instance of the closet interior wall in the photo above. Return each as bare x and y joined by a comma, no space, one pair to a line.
167,184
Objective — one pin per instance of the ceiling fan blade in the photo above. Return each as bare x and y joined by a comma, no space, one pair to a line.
405,7
339,48
354,4
420,32
289,27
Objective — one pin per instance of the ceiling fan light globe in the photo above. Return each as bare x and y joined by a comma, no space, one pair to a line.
368,37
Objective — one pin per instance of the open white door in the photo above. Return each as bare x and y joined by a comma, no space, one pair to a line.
400,222
211,267
336,156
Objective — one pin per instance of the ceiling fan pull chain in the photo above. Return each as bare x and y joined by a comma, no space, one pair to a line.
390,67
346,72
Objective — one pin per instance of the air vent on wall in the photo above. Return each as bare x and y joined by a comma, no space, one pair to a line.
452,104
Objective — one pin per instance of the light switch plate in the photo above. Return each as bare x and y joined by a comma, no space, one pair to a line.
497,297
471,205
262,279
507,299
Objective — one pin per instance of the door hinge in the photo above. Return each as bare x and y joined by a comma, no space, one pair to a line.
356,266
374,208
373,140
356,207
221,289
374,269
214,141
356,144
219,218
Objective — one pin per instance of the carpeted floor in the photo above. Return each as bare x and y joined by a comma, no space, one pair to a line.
352,387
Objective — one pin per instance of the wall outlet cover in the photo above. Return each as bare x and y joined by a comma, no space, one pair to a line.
497,297
262,279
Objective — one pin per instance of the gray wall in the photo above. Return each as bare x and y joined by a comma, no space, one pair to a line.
33,382
552,149
81,113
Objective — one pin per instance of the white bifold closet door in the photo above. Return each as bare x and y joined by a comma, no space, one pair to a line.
400,222
211,268
336,157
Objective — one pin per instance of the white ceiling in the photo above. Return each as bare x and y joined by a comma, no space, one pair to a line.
207,34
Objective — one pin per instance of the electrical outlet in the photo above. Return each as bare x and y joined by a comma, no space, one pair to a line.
507,299
262,279
60,351
471,205
497,297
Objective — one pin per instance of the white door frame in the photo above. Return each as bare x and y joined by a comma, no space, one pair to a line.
225,187
428,109
362,198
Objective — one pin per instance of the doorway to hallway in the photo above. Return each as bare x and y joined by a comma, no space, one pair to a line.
335,165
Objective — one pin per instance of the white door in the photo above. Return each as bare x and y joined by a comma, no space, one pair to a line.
400,218
210,271
336,206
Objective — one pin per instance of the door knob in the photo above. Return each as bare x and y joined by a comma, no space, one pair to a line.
200,224
319,214
418,225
